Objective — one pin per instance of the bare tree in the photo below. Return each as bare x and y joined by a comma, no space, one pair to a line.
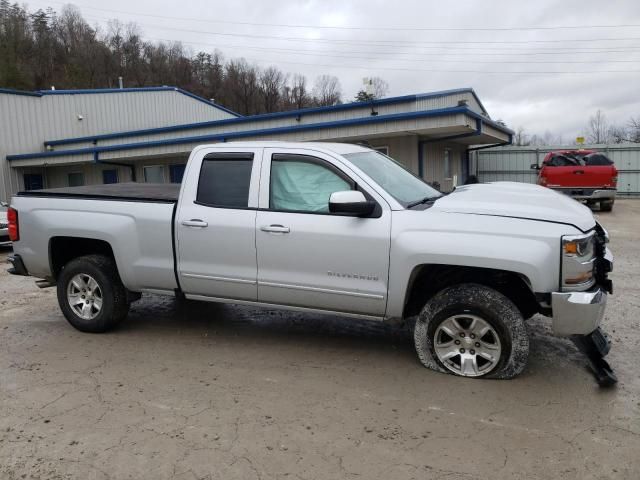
327,90
634,130
271,82
299,97
375,88
618,134
380,87
521,138
597,129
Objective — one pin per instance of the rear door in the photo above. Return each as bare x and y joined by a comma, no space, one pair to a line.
309,257
215,224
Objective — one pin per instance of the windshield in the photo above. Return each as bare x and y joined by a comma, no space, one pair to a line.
399,182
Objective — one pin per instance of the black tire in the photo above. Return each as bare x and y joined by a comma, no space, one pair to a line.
113,294
490,306
606,205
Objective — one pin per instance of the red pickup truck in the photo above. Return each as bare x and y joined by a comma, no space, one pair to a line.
582,174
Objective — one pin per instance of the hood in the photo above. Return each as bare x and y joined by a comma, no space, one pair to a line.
517,200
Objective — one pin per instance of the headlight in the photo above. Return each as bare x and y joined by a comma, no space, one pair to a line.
578,259
577,246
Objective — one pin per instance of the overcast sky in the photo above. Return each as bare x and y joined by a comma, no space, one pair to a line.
479,44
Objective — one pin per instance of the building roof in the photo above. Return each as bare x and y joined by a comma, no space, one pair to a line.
387,111
277,115
42,93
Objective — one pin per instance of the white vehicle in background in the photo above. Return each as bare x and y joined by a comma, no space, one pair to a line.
5,241
332,228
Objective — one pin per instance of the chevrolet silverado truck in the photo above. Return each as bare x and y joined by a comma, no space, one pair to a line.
585,175
333,228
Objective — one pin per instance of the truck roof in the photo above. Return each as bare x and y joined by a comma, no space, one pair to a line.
334,147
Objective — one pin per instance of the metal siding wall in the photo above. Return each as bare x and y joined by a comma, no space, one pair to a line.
513,164
27,121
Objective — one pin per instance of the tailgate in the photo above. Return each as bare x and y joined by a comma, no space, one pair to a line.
596,176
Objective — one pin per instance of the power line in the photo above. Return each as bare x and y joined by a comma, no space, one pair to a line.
360,28
440,56
512,72
372,42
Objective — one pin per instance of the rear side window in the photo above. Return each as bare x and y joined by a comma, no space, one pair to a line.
562,161
225,179
597,159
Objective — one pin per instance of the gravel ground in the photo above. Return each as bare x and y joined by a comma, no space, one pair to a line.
210,391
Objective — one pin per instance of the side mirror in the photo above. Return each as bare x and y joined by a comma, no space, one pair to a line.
4,204
535,166
351,202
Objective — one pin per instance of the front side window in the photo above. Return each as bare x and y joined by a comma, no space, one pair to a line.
301,183
396,180
225,180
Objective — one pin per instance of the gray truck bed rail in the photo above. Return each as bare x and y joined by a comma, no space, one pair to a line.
131,191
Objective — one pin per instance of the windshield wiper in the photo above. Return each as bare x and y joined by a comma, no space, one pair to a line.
424,200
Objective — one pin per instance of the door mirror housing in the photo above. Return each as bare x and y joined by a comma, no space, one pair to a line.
534,166
351,202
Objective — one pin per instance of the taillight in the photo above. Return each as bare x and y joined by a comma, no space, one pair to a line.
14,229
542,180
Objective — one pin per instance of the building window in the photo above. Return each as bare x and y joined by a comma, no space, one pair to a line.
176,172
33,181
447,163
154,174
110,176
384,150
75,179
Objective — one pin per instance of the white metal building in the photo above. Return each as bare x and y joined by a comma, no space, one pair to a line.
57,138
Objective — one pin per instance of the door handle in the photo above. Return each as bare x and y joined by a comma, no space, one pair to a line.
195,222
578,172
275,229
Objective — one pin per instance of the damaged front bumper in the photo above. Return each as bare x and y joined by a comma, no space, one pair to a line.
577,313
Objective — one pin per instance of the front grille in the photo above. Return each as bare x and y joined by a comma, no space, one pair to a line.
602,266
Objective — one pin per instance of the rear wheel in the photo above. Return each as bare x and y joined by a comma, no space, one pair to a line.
471,330
606,205
91,294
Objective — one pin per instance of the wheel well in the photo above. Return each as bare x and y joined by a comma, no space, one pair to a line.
427,280
64,249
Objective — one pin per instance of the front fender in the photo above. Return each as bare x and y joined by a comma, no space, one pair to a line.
528,248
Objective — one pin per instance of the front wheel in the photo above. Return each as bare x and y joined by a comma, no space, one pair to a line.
472,330
91,294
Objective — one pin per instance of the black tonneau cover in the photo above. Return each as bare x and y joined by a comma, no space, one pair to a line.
133,192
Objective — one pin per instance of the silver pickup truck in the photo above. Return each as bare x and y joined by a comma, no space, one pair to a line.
332,228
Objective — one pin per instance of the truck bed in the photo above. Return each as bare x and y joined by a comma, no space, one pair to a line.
131,191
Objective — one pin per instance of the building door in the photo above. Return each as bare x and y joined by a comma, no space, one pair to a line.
176,172
110,176
33,181
464,166
308,256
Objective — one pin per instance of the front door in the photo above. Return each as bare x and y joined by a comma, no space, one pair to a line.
309,257
215,224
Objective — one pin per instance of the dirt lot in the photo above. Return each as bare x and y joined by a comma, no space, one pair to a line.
219,392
